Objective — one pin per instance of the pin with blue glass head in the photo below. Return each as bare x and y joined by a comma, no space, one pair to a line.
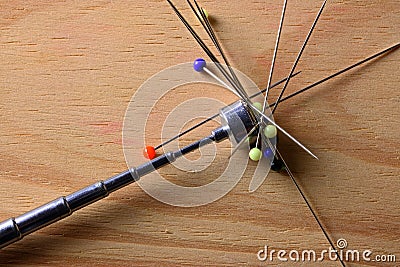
269,132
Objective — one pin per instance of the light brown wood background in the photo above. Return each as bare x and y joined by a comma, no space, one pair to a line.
69,68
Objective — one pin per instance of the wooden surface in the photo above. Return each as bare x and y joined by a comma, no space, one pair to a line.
69,68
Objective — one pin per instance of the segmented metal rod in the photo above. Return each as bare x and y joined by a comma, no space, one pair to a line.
15,229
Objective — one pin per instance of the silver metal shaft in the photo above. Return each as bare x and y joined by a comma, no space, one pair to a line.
15,229
237,119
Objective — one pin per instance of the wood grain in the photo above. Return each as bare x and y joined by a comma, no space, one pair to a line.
69,68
